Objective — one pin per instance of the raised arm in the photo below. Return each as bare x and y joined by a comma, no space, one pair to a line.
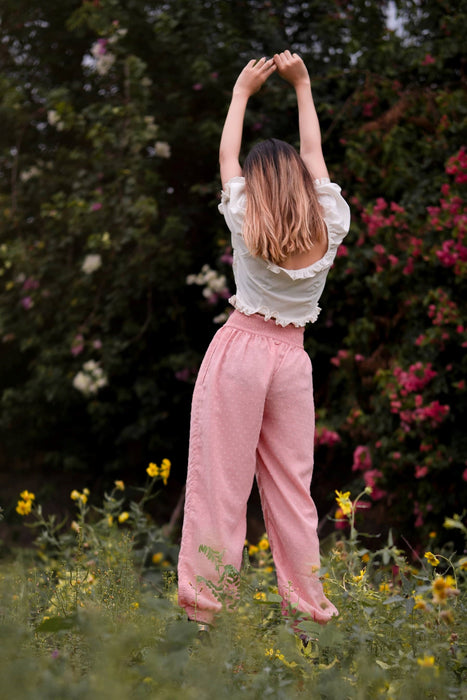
291,68
248,82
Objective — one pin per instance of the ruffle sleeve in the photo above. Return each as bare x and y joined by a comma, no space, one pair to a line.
233,203
336,211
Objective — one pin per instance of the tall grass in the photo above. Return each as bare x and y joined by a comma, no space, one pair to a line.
92,613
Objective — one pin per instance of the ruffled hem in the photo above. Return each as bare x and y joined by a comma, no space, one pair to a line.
306,272
268,314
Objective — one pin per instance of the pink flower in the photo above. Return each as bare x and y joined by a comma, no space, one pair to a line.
370,480
197,86
428,60
341,355
361,458
323,436
227,258
419,515
420,472
183,375
96,206
342,251
77,346
27,303
408,269
102,46
464,475
30,283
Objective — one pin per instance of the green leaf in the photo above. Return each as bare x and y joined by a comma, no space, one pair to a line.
57,624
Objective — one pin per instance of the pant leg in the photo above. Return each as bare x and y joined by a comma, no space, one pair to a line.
284,471
227,412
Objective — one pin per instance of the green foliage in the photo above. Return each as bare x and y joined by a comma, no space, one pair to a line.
84,615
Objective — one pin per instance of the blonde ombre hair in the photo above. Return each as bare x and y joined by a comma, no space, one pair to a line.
283,215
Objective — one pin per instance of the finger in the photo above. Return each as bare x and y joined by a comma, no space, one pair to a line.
279,59
264,67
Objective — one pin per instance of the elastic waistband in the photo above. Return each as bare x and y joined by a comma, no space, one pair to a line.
257,324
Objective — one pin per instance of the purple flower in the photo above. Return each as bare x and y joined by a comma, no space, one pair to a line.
30,283
27,303
77,345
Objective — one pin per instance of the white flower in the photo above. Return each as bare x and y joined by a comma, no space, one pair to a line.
221,318
103,59
91,263
82,382
53,117
104,63
162,149
90,379
31,172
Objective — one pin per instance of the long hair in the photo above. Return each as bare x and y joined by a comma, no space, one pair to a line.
283,215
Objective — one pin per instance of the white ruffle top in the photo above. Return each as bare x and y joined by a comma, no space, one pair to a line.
288,296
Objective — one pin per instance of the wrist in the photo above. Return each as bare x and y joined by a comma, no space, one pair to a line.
303,84
240,93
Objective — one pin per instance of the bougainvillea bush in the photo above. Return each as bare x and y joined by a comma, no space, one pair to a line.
115,264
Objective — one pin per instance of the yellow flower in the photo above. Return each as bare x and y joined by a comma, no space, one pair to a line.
27,496
432,535
252,549
420,603
443,587
344,502
462,563
427,661
135,605
153,470
431,558
268,569
260,595
263,544
366,558
24,507
123,517
360,577
110,520
269,652
119,485
384,587
77,496
163,471
157,558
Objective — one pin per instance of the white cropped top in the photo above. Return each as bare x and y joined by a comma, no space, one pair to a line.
288,296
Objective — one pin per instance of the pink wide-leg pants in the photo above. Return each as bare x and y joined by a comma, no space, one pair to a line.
252,414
